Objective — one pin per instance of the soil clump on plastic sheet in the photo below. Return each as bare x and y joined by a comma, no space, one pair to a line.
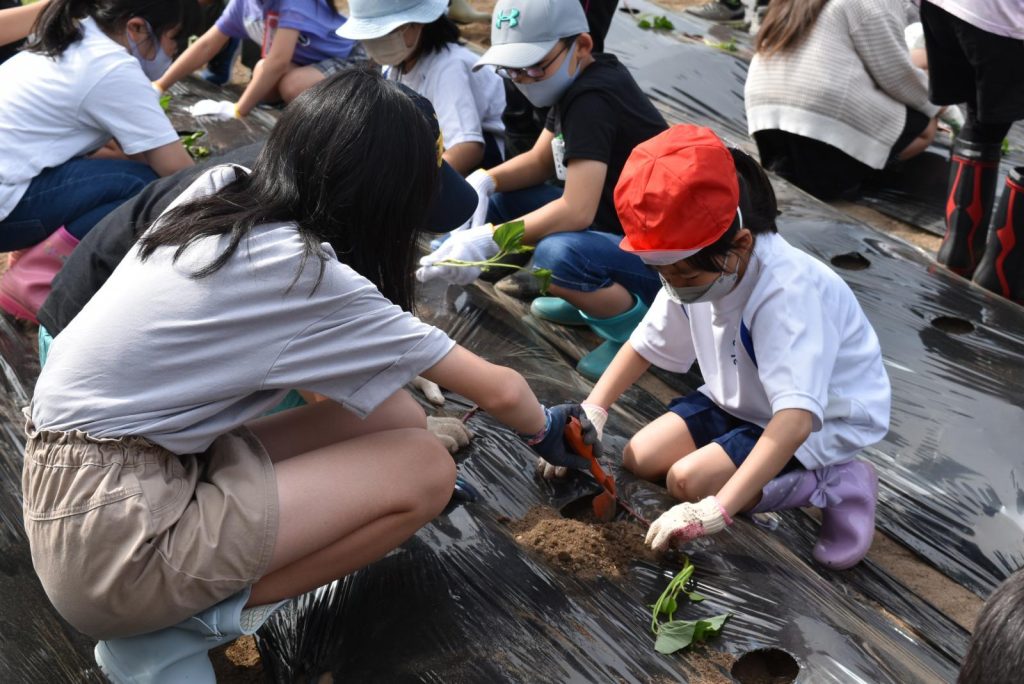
583,548
238,662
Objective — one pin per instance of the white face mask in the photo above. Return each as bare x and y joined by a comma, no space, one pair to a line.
549,91
391,50
716,289
153,68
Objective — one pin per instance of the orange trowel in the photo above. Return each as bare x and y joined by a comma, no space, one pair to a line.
605,502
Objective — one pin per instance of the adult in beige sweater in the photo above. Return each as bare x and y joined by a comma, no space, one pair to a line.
832,95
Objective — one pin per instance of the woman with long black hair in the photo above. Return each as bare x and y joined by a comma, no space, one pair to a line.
164,515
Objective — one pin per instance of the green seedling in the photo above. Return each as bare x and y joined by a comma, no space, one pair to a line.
724,45
1005,147
674,635
165,101
658,23
509,238
194,150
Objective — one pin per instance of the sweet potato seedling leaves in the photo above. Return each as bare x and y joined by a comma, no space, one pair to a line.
165,101
509,239
658,23
674,635
680,634
509,236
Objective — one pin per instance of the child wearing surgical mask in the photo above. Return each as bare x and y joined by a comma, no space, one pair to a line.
299,48
794,385
598,114
82,81
418,45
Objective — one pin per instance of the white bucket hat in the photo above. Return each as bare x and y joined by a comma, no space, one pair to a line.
375,18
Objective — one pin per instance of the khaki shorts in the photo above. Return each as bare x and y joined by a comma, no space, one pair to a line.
128,537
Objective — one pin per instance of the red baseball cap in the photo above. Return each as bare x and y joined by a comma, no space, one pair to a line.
677,194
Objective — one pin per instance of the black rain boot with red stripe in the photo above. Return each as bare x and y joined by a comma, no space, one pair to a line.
973,171
1002,268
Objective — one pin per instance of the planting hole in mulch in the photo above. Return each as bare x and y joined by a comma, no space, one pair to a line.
851,261
766,666
953,325
584,548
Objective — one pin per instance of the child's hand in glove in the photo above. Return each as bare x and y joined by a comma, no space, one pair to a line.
686,522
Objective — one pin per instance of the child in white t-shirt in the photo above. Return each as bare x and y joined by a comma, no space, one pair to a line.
82,82
164,514
418,45
794,385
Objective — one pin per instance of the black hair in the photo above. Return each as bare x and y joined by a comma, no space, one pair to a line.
352,161
757,205
437,35
996,652
57,27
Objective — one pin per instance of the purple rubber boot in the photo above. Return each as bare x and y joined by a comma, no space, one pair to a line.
845,493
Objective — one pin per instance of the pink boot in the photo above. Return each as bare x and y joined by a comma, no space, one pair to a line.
25,286
845,493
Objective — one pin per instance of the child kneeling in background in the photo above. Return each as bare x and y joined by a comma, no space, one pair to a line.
794,382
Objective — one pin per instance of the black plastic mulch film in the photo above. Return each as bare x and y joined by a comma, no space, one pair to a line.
462,602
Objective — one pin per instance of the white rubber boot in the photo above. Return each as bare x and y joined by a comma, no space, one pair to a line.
179,653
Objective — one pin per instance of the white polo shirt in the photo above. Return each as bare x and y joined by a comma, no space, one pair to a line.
53,110
790,335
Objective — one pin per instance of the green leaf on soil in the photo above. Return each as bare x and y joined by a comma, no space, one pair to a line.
165,101
644,24
679,634
663,23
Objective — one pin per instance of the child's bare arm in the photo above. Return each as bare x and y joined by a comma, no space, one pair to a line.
783,435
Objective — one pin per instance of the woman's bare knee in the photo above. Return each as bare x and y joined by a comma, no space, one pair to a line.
436,475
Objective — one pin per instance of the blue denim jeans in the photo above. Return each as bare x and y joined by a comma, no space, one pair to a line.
76,195
584,260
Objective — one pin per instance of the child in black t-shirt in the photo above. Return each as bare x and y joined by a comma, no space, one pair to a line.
598,114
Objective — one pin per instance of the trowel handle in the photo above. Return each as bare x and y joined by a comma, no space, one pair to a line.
574,433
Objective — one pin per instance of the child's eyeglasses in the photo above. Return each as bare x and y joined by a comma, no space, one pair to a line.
535,71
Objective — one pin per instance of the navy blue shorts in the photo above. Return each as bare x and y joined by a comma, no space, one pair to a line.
708,423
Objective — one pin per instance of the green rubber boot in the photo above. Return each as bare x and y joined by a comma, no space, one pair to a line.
556,310
616,330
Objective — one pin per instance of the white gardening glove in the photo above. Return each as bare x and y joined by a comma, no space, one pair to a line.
598,416
428,389
452,432
483,183
686,522
474,244
221,110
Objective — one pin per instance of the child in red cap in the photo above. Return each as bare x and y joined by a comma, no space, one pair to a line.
794,384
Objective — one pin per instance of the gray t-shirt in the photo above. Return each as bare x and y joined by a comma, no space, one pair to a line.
180,361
